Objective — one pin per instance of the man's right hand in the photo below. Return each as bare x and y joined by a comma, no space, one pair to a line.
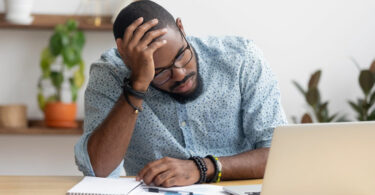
137,51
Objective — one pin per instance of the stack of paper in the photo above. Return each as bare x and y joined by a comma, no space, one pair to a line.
129,186
99,186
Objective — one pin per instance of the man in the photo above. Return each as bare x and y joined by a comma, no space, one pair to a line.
164,106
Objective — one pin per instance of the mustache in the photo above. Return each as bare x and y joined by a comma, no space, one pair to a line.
178,83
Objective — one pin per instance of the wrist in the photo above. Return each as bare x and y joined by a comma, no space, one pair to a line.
202,167
140,86
210,168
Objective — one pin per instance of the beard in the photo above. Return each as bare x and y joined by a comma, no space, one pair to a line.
185,98
188,97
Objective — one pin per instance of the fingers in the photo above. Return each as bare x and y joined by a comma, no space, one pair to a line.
169,172
150,36
146,168
140,32
155,46
130,30
163,177
151,170
169,182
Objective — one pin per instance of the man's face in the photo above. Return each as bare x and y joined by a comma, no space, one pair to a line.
183,81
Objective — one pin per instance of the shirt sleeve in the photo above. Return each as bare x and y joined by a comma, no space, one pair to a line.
261,101
101,94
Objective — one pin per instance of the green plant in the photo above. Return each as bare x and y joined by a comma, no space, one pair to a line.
62,57
364,106
319,108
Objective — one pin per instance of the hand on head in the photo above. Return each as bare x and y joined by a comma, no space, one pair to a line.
137,48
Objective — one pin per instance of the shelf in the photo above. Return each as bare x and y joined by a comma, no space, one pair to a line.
47,21
37,127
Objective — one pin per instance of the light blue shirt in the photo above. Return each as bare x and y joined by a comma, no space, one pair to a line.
238,110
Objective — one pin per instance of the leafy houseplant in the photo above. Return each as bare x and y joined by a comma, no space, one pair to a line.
62,61
319,108
364,105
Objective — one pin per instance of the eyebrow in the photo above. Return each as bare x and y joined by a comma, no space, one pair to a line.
178,54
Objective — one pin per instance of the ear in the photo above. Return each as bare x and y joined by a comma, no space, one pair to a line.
180,26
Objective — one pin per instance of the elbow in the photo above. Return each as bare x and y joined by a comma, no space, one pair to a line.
97,165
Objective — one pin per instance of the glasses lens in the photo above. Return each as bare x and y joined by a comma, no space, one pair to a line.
162,77
184,58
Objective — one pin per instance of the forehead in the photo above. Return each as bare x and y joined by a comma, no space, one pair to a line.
166,54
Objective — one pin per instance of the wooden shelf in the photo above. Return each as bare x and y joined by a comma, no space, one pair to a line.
46,21
37,127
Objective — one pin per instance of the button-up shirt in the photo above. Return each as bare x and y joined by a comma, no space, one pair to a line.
237,111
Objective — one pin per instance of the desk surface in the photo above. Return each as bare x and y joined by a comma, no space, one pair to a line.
61,184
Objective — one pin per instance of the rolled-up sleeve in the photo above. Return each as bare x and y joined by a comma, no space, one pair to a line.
261,101
101,94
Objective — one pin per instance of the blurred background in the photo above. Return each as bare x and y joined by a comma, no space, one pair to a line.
297,37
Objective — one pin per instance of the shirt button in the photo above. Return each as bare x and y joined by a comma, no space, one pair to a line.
183,124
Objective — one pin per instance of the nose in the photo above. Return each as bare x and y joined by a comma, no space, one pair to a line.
178,74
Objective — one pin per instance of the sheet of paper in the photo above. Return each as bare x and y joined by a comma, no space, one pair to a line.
122,186
98,185
197,189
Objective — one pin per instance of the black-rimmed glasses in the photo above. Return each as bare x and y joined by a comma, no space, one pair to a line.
183,58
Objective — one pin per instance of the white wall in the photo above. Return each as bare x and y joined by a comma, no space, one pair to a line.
297,37
37,155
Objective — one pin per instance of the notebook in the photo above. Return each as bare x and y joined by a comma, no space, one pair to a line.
104,186
129,186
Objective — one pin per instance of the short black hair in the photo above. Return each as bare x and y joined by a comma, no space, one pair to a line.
142,8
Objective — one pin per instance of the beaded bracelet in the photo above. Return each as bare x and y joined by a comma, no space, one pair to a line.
127,87
201,167
136,109
218,168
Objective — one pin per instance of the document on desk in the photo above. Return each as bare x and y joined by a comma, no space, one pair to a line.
129,186
197,189
104,186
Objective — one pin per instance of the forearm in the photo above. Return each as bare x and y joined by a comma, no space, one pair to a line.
247,165
169,171
108,144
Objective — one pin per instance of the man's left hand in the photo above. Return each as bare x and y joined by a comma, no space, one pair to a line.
168,172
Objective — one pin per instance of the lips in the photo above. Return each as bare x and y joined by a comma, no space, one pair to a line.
185,87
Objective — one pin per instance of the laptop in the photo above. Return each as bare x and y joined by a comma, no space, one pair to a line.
243,189
322,159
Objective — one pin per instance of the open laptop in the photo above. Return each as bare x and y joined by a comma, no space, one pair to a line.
322,159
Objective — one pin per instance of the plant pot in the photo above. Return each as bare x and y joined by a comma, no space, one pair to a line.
59,114
19,11
13,116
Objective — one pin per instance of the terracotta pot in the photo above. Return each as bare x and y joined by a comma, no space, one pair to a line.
59,114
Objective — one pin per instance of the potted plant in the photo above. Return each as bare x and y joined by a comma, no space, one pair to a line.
61,63
319,108
365,106
19,11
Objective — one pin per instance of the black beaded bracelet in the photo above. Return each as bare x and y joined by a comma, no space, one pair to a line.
213,160
127,87
136,109
201,167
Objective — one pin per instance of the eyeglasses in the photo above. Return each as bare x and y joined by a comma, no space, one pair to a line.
183,58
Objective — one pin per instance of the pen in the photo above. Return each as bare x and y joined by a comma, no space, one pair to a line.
169,192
